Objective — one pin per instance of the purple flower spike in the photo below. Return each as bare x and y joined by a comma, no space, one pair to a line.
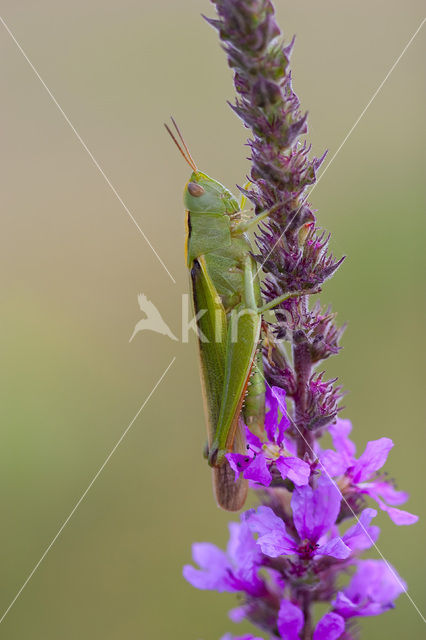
372,590
261,456
360,476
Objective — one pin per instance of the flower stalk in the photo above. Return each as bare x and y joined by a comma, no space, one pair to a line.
290,554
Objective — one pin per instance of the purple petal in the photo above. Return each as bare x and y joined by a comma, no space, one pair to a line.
280,398
290,620
371,591
207,555
214,573
340,432
239,614
362,536
398,516
373,459
349,609
290,446
334,463
284,423
274,545
242,548
205,579
263,521
270,399
258,471
295,469
245,558
238,462
252,440
273,538
388,492
330,627
275,398
377,580
271,416
335,548
314,511
345,606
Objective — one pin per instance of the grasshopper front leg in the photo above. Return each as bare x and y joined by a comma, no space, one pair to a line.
243,227
286,296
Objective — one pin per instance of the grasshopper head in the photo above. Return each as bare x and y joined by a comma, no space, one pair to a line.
204,195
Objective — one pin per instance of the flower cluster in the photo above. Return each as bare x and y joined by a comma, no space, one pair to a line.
301,547
291,552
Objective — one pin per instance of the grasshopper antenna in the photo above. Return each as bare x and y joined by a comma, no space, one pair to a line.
184,151
183,142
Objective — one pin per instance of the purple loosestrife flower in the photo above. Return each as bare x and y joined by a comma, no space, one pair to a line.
360,477
288,555
314,514
233,570
372,590
274,453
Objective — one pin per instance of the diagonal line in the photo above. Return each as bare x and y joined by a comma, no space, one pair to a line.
373,543
86,148
345,139
84,494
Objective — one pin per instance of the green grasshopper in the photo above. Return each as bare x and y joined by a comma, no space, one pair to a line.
227,301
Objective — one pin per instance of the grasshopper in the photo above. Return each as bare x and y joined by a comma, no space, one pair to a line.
228,303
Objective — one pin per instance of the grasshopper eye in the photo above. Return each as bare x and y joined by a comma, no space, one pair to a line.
195,190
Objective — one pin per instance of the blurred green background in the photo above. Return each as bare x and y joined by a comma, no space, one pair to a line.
72,263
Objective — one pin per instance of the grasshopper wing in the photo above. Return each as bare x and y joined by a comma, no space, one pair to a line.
231,493
212,341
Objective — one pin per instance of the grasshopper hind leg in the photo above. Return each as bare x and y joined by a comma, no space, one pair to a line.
254,401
